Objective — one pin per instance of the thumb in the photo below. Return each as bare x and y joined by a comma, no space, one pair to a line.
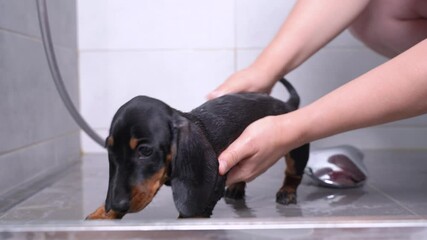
240,149
223,89
215,94
226,87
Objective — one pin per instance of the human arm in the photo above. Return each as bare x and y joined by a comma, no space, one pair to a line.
310,25
394,90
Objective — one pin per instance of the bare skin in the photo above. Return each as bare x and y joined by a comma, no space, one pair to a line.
392,91
390,27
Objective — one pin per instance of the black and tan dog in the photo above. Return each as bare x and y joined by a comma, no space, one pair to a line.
151,144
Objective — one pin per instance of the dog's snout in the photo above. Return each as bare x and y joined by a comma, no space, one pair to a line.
121,205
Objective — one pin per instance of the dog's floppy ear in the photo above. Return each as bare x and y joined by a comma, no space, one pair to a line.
195,181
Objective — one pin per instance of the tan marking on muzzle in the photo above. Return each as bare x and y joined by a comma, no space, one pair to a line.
143,193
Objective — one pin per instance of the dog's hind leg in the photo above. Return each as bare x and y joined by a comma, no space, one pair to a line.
296,161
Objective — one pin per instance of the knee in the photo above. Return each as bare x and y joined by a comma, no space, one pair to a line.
366,27
387,30
366,33
362,31
377,34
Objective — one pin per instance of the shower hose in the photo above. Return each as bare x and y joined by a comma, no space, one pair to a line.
56,74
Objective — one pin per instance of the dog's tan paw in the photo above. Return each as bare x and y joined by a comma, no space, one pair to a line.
100,213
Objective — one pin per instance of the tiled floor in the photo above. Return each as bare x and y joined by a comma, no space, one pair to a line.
393,203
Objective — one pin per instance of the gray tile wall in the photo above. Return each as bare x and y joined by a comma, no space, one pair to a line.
37,135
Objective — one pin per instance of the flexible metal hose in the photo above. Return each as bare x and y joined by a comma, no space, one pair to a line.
56,75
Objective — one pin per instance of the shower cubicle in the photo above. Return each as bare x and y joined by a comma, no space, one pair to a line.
52,175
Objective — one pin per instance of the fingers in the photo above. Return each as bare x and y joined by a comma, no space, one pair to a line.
259,146
222,89
240,149
250,79
216,93
237,82
238,174
229,86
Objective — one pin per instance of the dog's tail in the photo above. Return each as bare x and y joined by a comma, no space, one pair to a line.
294,99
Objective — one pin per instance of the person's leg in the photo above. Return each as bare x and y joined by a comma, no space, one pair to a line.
390,27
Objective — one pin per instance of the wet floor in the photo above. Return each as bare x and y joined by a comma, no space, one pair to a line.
394,194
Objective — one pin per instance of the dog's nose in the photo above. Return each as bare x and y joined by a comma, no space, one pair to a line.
121,205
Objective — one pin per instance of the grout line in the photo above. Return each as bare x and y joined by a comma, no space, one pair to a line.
32,37
394,200
34,144
35,38
136,50
235,49
397,125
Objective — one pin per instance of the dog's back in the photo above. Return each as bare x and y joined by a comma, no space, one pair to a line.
225,118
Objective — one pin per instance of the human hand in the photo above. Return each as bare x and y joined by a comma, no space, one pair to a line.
250,79
260,145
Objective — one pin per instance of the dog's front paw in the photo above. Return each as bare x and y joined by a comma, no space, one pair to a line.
286,198
100,213
236,191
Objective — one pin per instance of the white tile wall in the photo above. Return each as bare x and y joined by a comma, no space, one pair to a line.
180,78
158,24
178,51
257,21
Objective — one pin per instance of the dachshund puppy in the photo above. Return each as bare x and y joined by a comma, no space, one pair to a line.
151,144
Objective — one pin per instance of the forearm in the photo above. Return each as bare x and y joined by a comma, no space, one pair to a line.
390,92
310,25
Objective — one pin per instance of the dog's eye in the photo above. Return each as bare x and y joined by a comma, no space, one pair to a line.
144,151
